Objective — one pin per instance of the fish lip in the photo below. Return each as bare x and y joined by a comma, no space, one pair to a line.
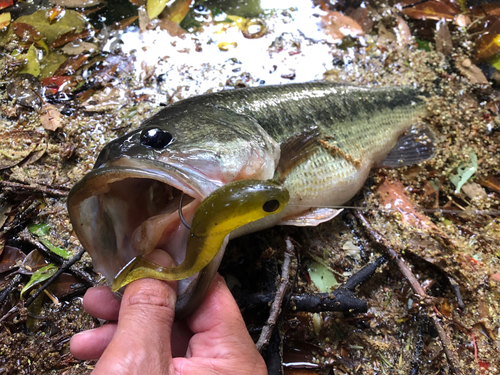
97,182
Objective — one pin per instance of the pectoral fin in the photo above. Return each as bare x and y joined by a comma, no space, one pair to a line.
312,217
295,150
417,145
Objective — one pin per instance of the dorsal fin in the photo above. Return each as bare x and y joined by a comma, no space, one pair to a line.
417,145
295,150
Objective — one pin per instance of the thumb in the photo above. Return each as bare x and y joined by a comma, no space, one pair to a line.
141,344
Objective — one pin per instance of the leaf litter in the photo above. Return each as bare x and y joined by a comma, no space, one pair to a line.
98,80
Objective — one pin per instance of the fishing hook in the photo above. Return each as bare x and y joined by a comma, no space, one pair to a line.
180,213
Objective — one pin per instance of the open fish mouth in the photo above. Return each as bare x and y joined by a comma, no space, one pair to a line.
128,208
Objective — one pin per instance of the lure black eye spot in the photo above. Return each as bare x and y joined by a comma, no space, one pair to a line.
155,138
271,206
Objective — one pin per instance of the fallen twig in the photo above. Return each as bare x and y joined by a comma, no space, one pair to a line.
58,260
20,188
451,354
8,289
275,311
64,268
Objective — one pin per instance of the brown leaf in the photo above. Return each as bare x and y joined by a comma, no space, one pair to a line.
50,117
393,196
6,3
71,36
33,261
11,258
492,183
431,10
16,146
472,72
71,65
486,10
362,17
172,28
338,25
26,33
488,40
444,43
123,24
64,285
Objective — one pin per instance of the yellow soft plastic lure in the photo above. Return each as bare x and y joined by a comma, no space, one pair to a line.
225,210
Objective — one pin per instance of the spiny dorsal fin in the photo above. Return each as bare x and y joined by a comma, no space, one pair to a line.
295,150
417,145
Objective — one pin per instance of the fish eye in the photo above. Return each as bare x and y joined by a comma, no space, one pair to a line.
271,206
155,138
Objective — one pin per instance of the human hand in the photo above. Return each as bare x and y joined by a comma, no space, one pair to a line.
143,339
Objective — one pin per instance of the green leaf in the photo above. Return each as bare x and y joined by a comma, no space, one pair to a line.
464,171
322,277
32,65
56,250
40,276
71,21
155,7
39,230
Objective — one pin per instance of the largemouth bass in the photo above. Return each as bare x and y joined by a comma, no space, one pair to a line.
319,140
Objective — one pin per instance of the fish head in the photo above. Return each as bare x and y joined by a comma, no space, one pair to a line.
128,205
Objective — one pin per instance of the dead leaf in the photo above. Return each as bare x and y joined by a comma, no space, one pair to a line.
64,285
76,3
361,16
486,10
16,146
55,13
155,7
403,32
431,10
4,20
488,40
50,117
33,262
71,36
79,47
71,65
10,258
172,28
471,72
393,196
444,43
338,25
25,89
26,33
474,191
492,183
123,24
6,3
385,35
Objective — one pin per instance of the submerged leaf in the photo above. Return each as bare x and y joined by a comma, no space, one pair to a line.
70,21
32,65
322,277
488,40
4,20
56,250
464,171
431,10
39,230
155,7
40,276
338,25
10,258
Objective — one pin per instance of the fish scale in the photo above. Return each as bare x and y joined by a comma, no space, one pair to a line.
364,122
